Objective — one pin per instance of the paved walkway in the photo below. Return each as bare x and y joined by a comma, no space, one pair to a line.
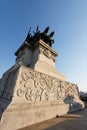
74,121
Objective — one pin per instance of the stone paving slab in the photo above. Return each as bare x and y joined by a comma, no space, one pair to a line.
74,121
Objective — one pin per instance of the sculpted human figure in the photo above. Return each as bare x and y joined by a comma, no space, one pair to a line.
32,39
51,41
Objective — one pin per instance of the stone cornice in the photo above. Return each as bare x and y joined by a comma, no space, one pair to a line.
40,43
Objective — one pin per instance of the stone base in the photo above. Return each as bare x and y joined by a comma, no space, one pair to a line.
28,97
20,115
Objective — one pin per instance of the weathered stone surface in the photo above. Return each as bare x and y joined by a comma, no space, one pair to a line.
32,90
19,115
34,97
36,86
40,58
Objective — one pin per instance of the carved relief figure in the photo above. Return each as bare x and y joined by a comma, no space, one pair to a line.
32,39
35,86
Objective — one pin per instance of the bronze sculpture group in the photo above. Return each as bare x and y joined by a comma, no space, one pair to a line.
32,39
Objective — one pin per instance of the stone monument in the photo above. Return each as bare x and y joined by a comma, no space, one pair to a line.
32,90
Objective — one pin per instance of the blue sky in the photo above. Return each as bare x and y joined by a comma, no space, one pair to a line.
68,18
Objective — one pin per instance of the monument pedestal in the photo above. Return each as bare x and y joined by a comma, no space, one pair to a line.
19,115
29,97
33,91
40,58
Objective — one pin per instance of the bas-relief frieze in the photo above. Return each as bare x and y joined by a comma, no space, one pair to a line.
35,86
